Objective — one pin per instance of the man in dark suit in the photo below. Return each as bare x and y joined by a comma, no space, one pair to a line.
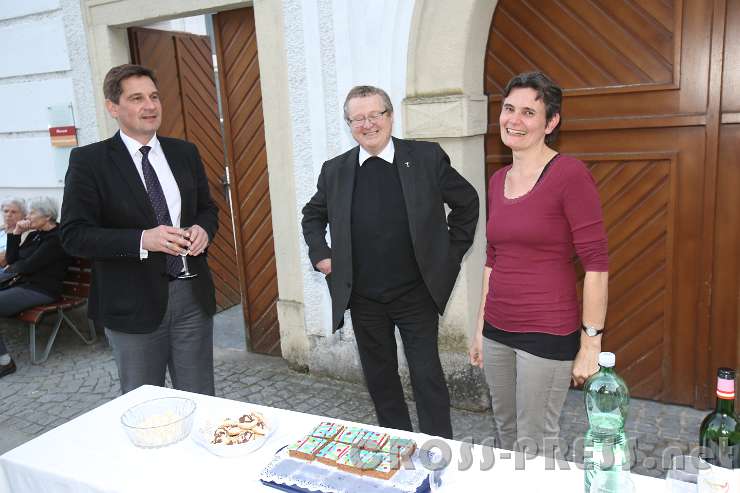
139,206
394,256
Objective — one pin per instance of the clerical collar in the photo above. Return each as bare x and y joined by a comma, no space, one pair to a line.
386,154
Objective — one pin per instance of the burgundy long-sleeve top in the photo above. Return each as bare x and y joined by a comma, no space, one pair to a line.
532,244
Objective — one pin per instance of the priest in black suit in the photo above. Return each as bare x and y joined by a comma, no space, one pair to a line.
395,254
138,205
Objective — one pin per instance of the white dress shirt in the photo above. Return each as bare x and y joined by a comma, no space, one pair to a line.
164,174
387,154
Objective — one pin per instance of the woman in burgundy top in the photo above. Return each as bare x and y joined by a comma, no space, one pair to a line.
532,339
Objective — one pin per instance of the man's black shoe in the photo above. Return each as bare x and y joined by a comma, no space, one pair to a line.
7,369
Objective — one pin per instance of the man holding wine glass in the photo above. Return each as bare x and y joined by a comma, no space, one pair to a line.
138,205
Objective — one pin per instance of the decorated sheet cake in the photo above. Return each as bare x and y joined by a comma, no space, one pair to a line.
373,440
306,448
332,452
381,466
327,430
352,460
351,435
333,458
353,449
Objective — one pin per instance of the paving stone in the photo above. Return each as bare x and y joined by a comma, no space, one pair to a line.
645,446
42,419
53,397
251,380
70,386
653,438
70,412
33,429
88,397
646,427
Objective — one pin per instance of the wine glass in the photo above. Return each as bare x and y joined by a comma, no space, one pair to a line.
186,274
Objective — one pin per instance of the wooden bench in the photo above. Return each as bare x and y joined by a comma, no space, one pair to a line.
75,291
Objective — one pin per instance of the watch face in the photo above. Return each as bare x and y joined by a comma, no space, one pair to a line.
591,331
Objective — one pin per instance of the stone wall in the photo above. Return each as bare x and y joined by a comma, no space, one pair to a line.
44,62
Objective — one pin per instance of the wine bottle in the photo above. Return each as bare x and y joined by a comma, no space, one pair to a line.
719,434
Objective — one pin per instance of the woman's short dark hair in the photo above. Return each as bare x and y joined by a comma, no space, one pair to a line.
115,76
549,92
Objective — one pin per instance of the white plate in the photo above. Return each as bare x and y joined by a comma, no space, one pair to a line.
209,419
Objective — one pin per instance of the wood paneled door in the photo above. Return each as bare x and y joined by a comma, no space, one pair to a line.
652,98
183,65
236,48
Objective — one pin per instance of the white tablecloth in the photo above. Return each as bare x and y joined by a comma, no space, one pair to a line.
92,454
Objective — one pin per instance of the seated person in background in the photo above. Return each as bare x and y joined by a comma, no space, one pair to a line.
13,211
41,262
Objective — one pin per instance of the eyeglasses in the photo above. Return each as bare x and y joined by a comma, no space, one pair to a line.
371,118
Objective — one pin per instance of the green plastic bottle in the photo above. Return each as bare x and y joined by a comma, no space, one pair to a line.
607,400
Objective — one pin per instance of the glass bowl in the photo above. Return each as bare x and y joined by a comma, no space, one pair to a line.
159,422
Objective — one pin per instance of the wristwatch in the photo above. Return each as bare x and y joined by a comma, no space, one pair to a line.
591,331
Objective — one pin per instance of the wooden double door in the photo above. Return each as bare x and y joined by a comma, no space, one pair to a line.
242,256
652,105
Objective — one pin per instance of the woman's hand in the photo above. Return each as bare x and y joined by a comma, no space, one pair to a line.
22,226
587,360
476,350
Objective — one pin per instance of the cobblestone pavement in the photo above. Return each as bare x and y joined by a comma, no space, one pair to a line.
77,378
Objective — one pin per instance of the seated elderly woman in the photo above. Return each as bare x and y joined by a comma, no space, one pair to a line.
13,211
41,263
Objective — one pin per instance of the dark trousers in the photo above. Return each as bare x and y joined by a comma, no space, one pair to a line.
16,299
183,343
418,323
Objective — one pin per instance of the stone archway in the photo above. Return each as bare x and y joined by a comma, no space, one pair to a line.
447,47
445,103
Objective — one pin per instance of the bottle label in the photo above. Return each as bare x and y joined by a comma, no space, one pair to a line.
725,388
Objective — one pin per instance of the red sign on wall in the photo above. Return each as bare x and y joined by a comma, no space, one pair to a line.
63,136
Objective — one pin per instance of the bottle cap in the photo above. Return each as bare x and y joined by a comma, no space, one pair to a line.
607,359
726,373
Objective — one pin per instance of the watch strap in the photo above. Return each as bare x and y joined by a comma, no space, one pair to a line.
591,331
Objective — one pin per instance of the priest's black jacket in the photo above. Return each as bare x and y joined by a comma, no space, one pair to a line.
428,182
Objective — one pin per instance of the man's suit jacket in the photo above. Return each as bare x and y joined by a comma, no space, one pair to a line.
105,210
428,182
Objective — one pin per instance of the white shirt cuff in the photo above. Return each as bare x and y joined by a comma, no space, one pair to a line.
142,253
